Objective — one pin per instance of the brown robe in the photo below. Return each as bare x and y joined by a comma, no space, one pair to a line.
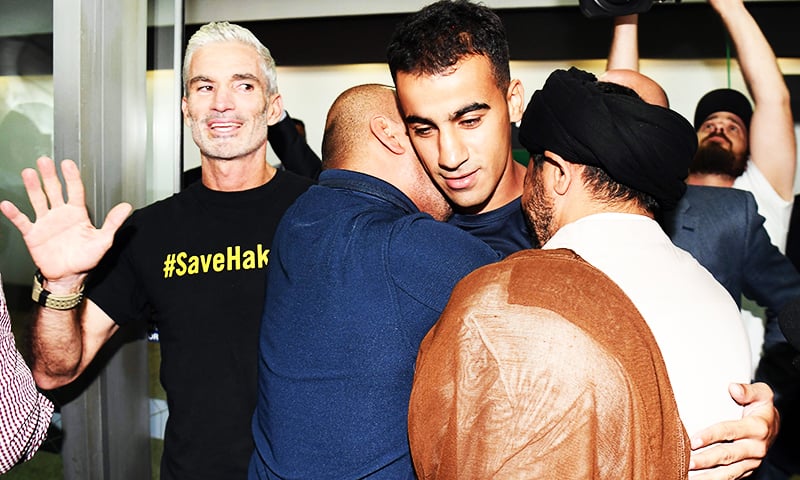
541,367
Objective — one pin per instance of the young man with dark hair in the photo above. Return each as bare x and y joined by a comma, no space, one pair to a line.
449,62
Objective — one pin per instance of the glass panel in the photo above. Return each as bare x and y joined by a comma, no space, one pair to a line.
163,100
26,132
26,122
163,167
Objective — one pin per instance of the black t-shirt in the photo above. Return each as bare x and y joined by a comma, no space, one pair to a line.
195,264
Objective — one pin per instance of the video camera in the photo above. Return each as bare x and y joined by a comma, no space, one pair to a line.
616,8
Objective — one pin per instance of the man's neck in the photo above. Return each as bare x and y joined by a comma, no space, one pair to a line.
235,175
710,179
508,190
591,207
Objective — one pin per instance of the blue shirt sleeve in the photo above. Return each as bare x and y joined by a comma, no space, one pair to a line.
427,258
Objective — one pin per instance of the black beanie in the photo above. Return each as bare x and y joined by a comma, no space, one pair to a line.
723,100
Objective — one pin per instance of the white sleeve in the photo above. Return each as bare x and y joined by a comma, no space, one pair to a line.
776,211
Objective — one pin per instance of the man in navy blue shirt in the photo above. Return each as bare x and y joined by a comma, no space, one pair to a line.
360,270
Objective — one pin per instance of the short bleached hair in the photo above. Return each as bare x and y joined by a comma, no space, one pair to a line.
216,32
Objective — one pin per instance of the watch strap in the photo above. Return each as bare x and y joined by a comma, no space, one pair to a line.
57,302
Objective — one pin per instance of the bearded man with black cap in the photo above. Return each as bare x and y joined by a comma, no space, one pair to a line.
730,154
733,141
604,162
740,146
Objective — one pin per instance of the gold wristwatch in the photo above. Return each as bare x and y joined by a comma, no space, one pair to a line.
56,302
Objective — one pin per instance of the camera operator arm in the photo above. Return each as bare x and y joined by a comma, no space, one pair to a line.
771,135
624,51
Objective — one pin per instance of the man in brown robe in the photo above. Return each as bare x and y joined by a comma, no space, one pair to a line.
541,367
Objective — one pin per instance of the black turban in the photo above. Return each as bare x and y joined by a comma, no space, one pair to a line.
645,147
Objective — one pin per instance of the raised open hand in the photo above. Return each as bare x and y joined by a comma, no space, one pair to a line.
62,241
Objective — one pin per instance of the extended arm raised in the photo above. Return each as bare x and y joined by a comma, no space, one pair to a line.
771,135
624,51
65,245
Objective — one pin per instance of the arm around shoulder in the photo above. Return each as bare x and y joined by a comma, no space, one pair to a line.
736,448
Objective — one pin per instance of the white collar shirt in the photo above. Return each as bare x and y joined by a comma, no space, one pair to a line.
693,319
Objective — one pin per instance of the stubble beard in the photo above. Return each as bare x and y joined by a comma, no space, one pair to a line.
243,143
431,200
539,212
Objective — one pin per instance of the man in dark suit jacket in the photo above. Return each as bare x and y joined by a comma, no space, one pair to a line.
722,229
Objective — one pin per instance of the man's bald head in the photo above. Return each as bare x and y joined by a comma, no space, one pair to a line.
365,133
649,91
348,122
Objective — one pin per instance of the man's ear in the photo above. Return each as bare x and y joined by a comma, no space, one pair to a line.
386,131
185,111
274,109
563,173
515,97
